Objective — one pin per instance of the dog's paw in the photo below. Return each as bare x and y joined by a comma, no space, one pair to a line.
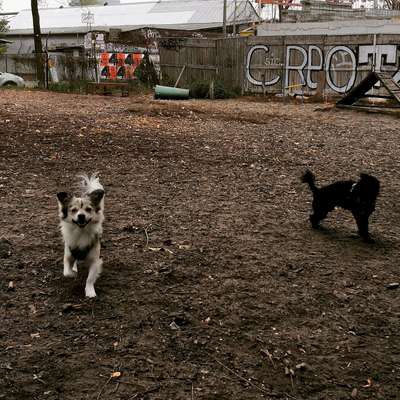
75,267
70,273
90,292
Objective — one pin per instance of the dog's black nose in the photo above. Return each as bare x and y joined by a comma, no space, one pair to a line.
81,218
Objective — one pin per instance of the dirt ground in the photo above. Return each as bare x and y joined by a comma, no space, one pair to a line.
214,285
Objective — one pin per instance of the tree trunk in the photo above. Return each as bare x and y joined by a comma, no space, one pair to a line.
38,43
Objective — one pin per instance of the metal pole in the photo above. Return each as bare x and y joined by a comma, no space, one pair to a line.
234,19
224,19
374,54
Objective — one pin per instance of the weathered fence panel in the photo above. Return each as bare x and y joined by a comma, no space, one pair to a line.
197,55
230,61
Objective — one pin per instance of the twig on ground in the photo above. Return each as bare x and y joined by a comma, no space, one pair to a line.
152,389
145,229
127,383
104,386
269,355
242,378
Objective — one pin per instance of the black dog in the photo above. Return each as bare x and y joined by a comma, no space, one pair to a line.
357,197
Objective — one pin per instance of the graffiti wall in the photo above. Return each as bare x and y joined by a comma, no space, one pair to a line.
115,66
313,65
308,65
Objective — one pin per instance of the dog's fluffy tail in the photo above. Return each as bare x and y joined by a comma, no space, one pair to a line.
90,183
309,178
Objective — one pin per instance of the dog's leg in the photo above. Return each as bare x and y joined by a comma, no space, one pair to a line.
362,225
69,263
318,215
75,267
94,272
319,211
95,263
314,221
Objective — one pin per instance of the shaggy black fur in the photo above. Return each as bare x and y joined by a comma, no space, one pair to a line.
358,197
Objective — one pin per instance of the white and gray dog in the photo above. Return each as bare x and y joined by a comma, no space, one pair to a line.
81,227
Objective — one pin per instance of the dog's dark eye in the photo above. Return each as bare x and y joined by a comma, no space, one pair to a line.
88,209
74,210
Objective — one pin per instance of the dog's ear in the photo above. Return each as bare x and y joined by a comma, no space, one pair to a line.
64,199
96,196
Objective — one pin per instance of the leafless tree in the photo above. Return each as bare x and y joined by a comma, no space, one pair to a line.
393,4
37,37
3,24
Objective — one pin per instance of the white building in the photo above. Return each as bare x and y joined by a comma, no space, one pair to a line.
68,26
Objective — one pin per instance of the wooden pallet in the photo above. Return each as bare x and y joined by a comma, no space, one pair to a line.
392,87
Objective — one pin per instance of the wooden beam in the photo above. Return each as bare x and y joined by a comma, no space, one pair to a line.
191,66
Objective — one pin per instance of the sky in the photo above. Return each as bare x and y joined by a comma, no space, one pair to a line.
17,5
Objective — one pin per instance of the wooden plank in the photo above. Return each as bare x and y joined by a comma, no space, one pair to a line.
105,87
354,94
192,66
376,110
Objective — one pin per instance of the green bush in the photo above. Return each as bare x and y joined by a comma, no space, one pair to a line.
199,90
68,86
223,92
138,87
166,80
146,73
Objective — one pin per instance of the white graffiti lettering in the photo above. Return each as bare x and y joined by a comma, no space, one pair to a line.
310,67
339,64
299,68
248,64
385,51
342,66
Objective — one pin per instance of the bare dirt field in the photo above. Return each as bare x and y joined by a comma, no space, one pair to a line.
214,285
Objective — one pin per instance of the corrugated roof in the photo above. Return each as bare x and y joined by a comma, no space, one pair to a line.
172,14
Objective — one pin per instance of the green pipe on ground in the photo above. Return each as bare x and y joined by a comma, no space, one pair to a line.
171,93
